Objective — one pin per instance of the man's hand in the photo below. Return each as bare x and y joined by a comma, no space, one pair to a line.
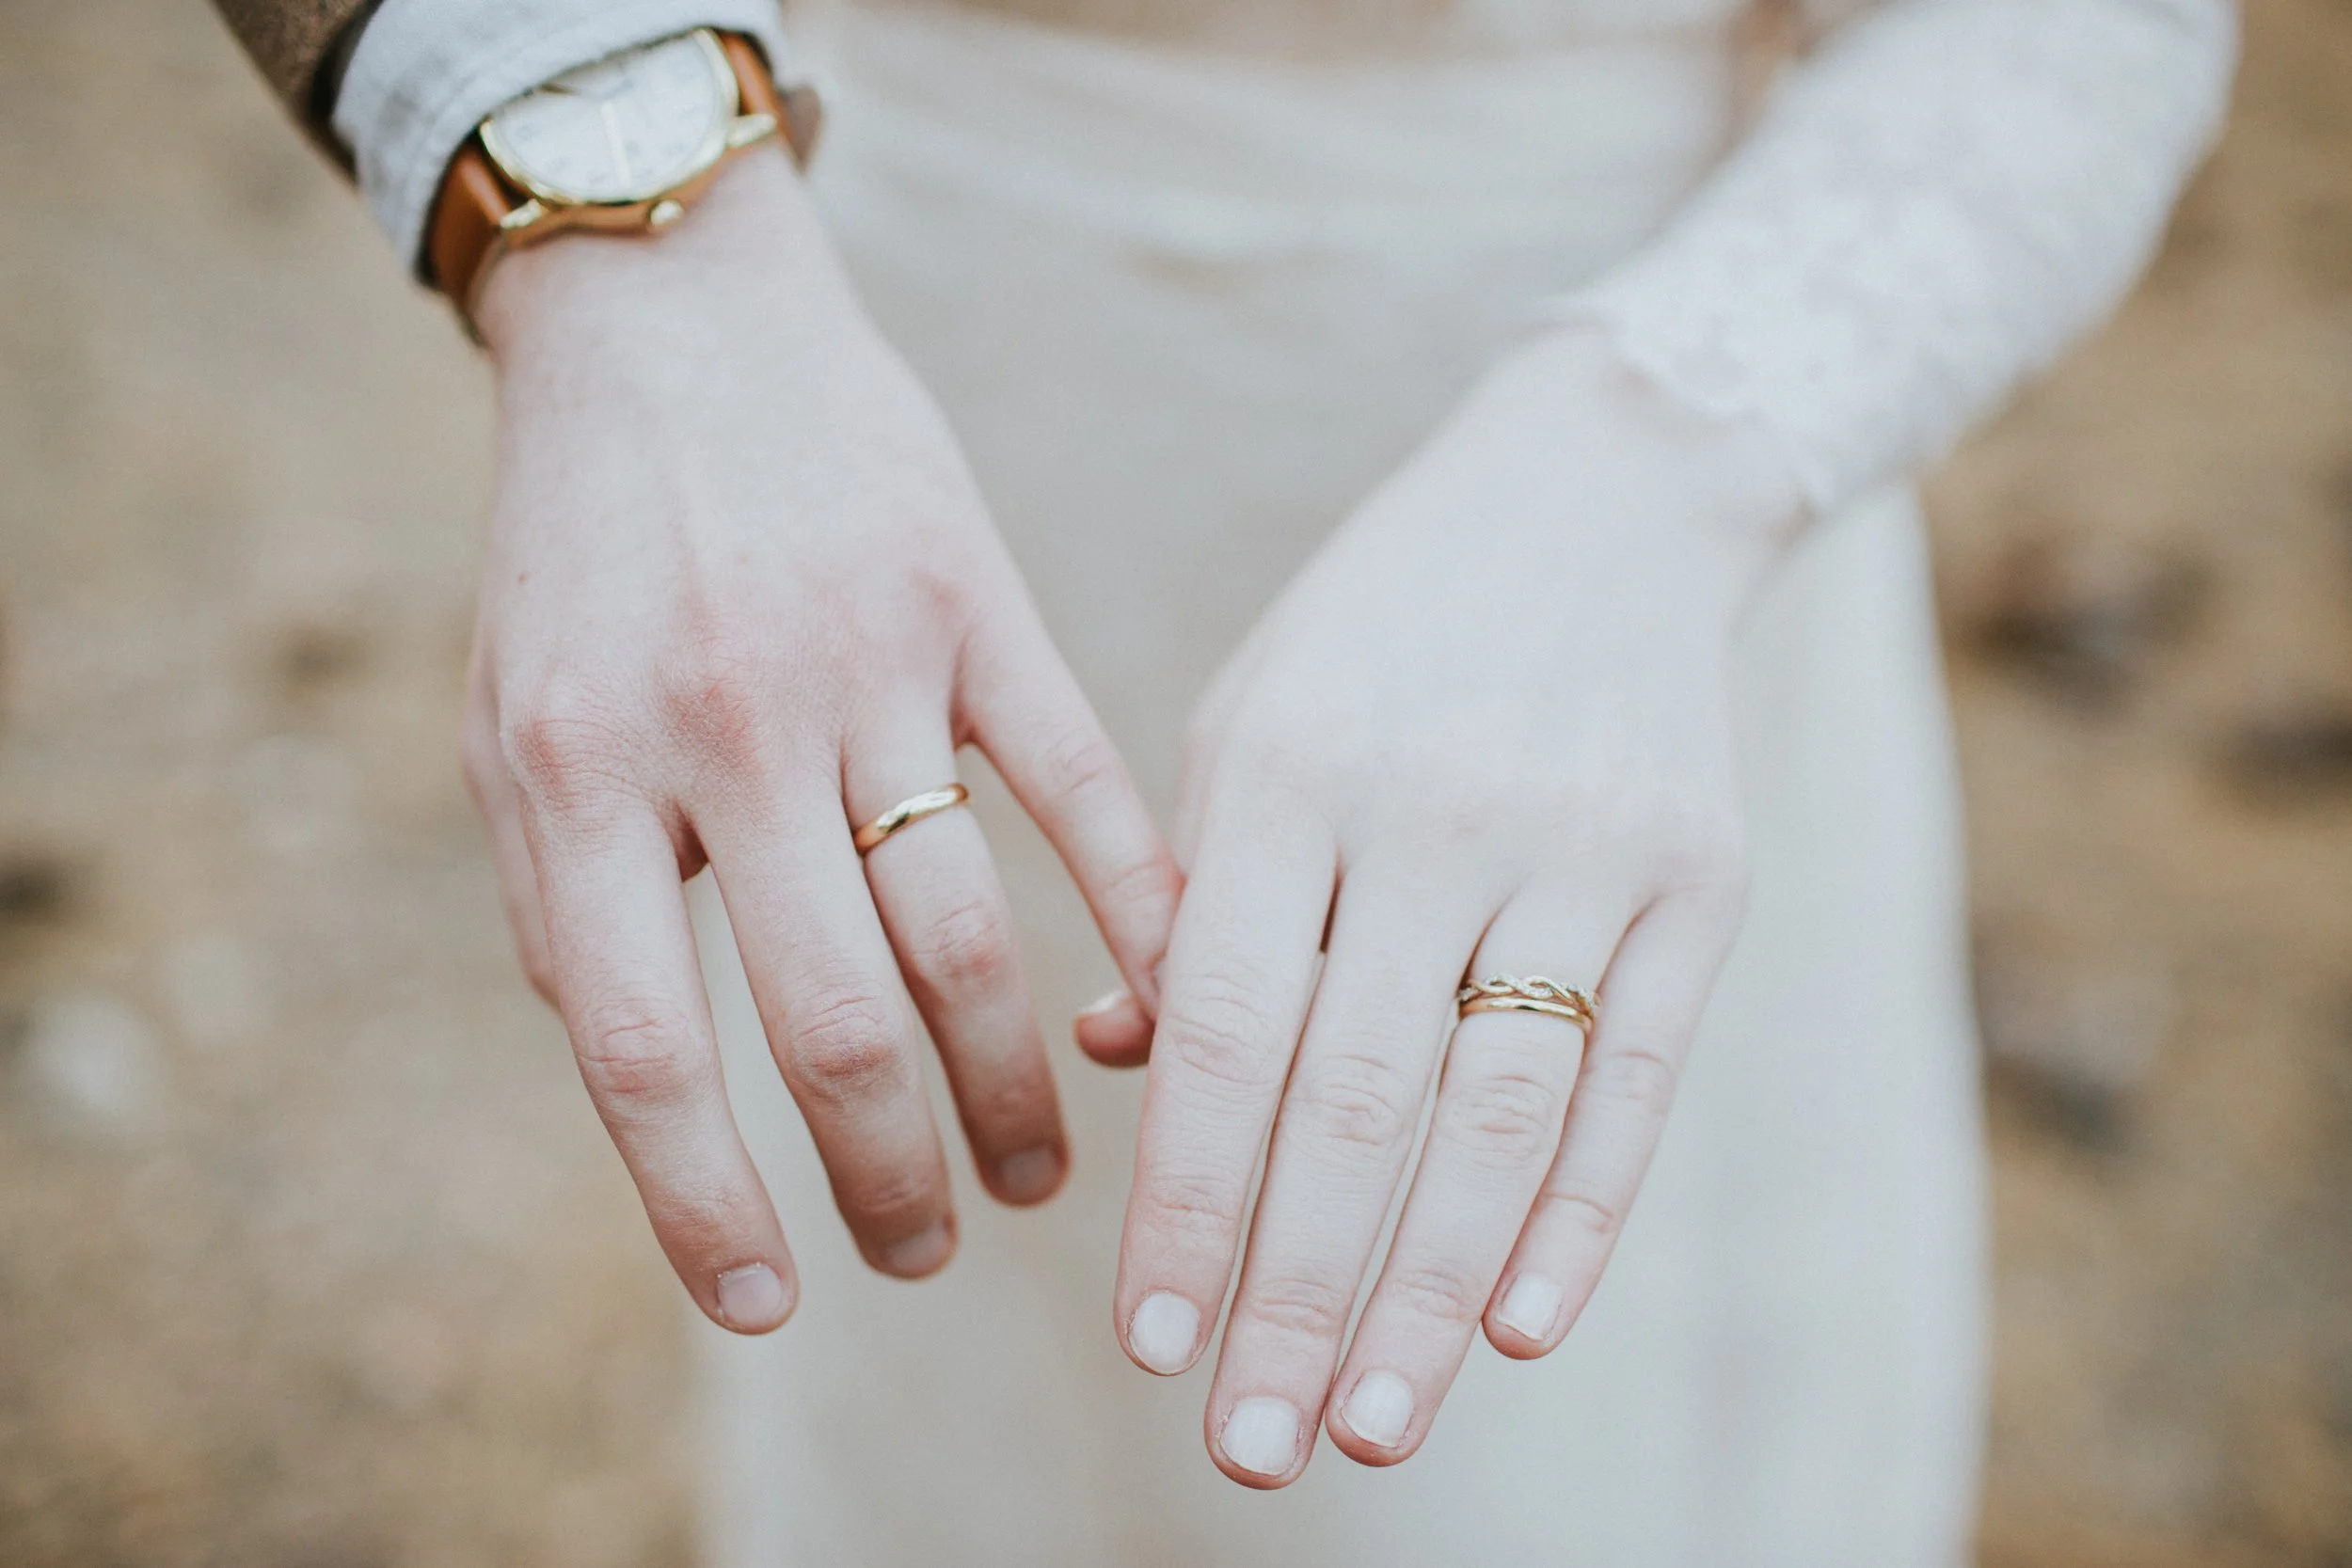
740,596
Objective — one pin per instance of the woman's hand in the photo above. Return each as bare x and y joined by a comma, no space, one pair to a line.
740,596
1485,732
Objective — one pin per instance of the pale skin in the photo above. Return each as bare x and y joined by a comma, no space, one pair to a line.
1486,731
741,594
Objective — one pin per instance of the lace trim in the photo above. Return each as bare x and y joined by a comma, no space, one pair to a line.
1932,207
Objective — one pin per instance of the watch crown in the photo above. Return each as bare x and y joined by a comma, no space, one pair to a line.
665,212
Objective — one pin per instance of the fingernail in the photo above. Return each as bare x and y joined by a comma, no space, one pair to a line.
918,1255
1530,1306
1380,1409
1163,1331
751,1298
1031,1175
1261,1435
1111,1001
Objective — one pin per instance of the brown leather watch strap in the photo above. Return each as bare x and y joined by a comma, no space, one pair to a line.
754,81
799,112
465,215
465,236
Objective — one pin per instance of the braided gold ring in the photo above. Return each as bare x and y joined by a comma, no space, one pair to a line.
907,812
1508,993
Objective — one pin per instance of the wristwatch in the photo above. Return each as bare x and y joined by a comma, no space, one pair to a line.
622,145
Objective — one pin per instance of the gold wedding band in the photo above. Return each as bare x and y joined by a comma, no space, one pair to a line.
1507,993
907,812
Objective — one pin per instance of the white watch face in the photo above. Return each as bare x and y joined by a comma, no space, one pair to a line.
623,129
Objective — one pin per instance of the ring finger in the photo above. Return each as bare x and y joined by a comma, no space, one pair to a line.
1500,1104
945,912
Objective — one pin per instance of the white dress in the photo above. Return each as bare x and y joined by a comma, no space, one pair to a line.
1185,305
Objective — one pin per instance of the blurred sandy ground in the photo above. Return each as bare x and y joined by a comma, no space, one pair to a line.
311,1255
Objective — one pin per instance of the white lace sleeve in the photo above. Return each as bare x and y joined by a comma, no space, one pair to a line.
1933,205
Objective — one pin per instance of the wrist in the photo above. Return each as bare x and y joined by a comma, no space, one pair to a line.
1637,455
752,250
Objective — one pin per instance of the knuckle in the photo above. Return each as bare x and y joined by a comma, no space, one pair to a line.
1637,1078
1361,1100
1437,1290
1190,1208
1588,1209
1512,1117
631,1055
1221,1034
940,587
1149,885
1018,1100
1079,763
970,944
701,1220
715,701
1301,1304
563,749
847,1049
899,1201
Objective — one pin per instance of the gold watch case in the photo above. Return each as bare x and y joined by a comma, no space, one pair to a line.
551,209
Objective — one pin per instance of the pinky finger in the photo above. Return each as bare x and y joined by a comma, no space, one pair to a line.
1648,1008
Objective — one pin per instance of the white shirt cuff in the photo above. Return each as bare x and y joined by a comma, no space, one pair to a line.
427,72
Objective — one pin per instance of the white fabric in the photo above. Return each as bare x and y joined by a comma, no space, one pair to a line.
1185,309
1937,204
427,72
1932,208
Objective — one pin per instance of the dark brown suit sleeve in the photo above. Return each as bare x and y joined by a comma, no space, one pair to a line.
301,46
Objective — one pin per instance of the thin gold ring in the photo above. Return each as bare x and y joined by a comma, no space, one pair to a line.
1508,993
907,812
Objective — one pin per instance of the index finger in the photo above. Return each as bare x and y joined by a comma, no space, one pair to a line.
1027,712
1241,970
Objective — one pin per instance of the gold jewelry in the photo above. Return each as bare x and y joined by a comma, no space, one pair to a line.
907,812
625,144
1507,993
